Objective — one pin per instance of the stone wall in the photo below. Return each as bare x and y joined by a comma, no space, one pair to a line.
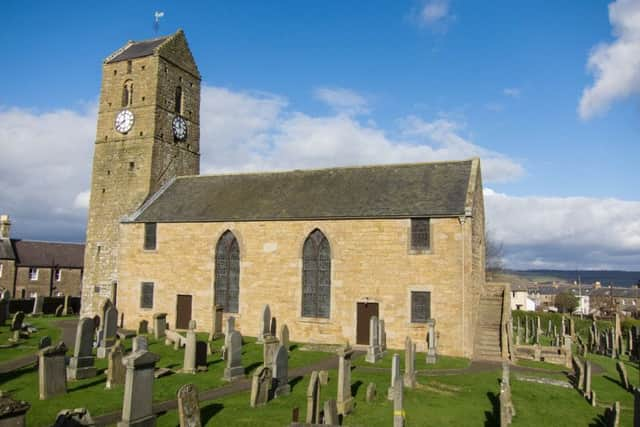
8,273
371,261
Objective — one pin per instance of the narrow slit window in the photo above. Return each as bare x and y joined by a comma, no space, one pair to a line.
150,235
178,106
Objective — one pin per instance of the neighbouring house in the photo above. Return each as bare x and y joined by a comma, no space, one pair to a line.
47,268
520,299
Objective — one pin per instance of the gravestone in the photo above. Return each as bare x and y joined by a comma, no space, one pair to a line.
67,307
313,399
398,404
79,417
172,337
44,342
331,413
116,371
382,335
624,379
260,386
5,297
143,327
59,311
229,326
16,323
265,324
281,385
81,364
409,363
52,375
284,336
371,392
269,349
202,349
344,399
578,369
587,379
188,407
137,408
189,364
13,412
323,376
373,351
273,327
612,415
395,374
159,325
37,305
139,343
216,323
109,329
432,343
234,368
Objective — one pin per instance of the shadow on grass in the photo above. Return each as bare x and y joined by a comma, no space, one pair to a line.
294,382
209,411
615,381
354,387
293,347
215,362
252,367
599,421
87,385
17,373
492,419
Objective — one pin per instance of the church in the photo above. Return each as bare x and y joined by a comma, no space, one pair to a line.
325,248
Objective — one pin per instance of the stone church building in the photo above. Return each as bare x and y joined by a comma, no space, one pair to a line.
325,248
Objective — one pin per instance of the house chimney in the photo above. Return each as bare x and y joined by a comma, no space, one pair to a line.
5,226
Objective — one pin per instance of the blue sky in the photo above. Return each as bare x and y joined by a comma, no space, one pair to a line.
406,81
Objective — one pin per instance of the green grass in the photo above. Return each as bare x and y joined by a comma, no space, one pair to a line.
442,362
91,393
45,325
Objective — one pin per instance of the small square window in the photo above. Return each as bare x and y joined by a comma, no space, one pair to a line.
150,236
33,273
58,274
420,234
146,295
96,289
420,307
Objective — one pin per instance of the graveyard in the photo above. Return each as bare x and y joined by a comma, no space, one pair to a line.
229,379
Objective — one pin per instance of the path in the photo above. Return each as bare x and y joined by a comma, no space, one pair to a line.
68,327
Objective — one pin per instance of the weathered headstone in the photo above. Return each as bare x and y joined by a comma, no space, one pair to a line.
13,412
188,407
137,408
281,385
44,342
269,349
432,343
16,323
143,327
323,376
109,329
216,323
38,303
624,379
265,324
67,307
116,372
373,351
612,415
234,367
507,410
382,335
409,363
159,325
260,386
138,343
371,392
331,413
79,417
81,364
229,326
52,375
398,404
587,379
284,336
313,399
172,337
201,355
578,369
344,398
59,311
395,373
189,364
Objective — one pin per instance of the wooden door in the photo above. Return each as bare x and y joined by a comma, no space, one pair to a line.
183,312
365,311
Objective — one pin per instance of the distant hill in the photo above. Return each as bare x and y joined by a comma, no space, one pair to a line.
617,278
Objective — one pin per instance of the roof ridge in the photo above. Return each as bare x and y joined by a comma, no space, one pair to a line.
370,166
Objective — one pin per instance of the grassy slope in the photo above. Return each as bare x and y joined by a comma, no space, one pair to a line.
30,345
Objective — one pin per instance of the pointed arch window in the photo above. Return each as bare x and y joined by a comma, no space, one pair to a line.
227,277
316,276
127,93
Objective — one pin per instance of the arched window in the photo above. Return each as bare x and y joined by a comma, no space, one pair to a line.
178,100
127,93
227,280
316,276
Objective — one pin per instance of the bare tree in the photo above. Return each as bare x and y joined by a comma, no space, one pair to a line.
494,254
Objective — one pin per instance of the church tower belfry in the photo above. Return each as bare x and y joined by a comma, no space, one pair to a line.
148,133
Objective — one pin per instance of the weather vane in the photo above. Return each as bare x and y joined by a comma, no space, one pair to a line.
156,20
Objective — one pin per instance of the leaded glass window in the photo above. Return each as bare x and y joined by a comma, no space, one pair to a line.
420,307
149,235
227,279
146,295
316,276
419,233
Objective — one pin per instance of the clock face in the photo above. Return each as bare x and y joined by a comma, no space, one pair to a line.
179,128
124,121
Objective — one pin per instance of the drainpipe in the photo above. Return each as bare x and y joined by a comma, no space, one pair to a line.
462,222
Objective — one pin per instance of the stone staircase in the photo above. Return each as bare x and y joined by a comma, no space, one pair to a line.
487,336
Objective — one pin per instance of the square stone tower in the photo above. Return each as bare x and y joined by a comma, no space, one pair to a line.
148,133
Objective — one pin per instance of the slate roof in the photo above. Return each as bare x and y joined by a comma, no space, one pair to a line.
48,254
6,249
406,190
136,50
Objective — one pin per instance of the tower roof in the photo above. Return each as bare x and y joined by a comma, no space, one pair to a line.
135,49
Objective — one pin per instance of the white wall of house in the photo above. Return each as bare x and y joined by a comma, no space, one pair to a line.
520,301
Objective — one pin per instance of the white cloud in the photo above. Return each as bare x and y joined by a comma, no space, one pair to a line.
434,11
81,200
341,100
513,92
565,232
616,65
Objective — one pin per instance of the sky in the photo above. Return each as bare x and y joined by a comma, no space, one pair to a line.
547,97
